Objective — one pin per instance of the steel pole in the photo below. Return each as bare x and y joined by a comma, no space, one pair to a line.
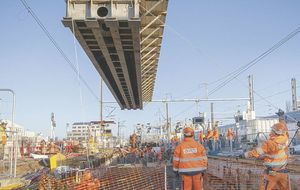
101,113
12,126
167,115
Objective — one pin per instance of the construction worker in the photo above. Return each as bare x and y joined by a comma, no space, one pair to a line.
275,157
3,132
201,137
174,141
3,137
215,138
282,117
133,140
209,138
230,137
190,161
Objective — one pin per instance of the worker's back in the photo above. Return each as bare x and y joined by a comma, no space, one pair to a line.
190,157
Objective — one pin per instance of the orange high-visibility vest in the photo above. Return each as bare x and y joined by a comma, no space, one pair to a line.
216,134
189,157
230,134
209,134
273,152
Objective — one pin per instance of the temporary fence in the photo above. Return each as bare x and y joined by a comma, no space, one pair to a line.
241,174
132,177
225,173
109,178
229,174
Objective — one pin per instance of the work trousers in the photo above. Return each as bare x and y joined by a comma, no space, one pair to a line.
210,144
230,145
201,142
277,181
192,182
216,145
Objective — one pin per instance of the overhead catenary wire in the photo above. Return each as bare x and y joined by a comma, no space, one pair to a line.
244,68
189,42
53,41
275,84
268,101
232,75
184,111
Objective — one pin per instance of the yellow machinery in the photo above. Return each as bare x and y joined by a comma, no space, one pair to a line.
56,159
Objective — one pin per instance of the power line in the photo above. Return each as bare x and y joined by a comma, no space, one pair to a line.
244,68
269,102
232,75
53,41
184,111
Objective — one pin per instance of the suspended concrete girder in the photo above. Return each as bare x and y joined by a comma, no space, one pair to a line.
122,38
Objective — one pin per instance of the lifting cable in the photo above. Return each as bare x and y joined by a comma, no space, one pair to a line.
83,113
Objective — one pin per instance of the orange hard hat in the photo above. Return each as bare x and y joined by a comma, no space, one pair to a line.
279,129
188,131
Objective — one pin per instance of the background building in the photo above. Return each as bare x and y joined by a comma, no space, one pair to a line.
83,131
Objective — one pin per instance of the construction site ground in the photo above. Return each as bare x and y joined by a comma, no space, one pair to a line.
133,172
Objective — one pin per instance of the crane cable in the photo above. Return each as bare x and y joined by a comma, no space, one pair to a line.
83,113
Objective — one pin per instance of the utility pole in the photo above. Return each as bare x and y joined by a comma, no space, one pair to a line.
13,154
251,96
118,129
101,113
294,94
212,115
167,115
53,125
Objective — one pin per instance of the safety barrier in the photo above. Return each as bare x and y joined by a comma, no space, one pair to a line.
108,178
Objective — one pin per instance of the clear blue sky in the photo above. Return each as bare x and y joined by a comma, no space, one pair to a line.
203,41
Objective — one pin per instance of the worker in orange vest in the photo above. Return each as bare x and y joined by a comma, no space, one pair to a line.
201,137
230,137
3,137
215,139
190,161
174,141
209,138
275,158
